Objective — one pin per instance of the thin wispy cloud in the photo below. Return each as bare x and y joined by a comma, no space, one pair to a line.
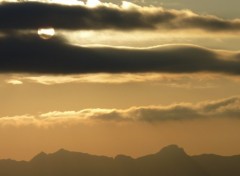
221,109
225,108
183,81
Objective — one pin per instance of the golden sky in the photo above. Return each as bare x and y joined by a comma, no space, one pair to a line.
119,77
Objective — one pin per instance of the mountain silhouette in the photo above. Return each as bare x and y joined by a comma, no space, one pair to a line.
170,161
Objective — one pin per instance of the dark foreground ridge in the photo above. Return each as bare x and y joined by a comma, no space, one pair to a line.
170,161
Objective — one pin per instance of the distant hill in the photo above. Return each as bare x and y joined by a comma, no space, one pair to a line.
170,161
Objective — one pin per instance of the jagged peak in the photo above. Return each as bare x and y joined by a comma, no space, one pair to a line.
62,150
63,153
39,156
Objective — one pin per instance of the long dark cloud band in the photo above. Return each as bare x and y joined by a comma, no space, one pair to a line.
33,15
30,54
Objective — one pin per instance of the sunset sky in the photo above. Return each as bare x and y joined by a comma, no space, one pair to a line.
119,77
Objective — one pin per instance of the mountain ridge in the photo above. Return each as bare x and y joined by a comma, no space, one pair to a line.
171,160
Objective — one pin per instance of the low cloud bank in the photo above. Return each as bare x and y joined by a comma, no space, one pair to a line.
228,108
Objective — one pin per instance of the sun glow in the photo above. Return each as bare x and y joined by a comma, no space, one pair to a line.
46,33
69,2
93,3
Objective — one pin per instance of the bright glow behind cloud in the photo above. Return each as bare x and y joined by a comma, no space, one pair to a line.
93,3
46,33
89,3
14,82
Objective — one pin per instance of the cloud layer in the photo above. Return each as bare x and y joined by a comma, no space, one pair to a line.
228,108
30,54
225,108
34,15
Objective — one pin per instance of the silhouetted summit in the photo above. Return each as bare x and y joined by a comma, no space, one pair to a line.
169,161
173,150
123,158
39,156
62,151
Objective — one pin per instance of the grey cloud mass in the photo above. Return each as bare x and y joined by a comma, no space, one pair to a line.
31,54
33,15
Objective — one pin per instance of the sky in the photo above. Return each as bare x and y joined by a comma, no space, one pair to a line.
119,77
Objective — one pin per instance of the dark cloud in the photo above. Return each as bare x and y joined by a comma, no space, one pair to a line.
33,15
30,54
179,112
225,108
